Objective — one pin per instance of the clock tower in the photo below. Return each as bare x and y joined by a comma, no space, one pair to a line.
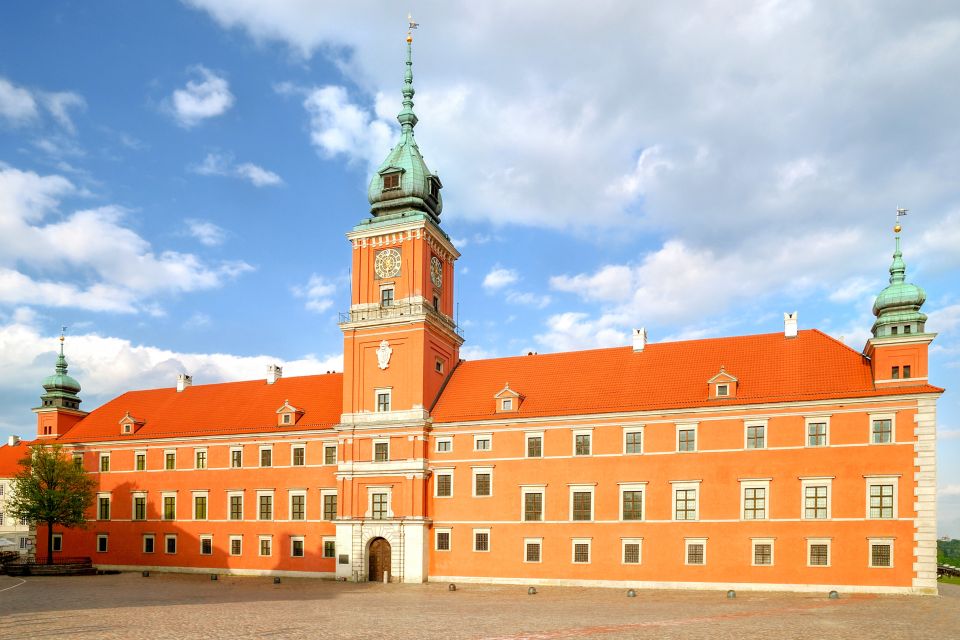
400,346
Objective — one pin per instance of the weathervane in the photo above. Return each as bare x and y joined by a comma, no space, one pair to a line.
411,25
900,212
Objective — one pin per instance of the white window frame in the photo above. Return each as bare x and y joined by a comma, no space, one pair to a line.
753,551
686,551
106,543
446,471
473,480
323,547
139,493
260,450
330,446
474,538
526,444
293,449
138,452
807,421
163,506
581,488
826,541
170,452
573,442
260,540
483,436
766,434
643,439
143,542
573,550
376,399
875,480
393,300
436,539
232,451
206,458
754,483
373,449
816,481
447,439
100,463
676,485
687,426
323,500
290,495
243,506
536,541
273,504
303,546
633,486
57,543
166,547
879,541
623,551
379,489
533,488
100,496
726,390
892,417
193,503
506,404
230,548
201,538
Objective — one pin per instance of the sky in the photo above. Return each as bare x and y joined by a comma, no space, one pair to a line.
176,179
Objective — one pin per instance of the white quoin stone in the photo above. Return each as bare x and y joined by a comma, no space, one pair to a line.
13,441
790,325
274,373
639,339
183,381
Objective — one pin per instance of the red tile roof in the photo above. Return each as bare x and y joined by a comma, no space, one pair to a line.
666,375
10,458
207,409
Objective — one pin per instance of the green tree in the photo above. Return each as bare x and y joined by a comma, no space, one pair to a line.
51,488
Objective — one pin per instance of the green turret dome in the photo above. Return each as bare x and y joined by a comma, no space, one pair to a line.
898,306
404,184
61,388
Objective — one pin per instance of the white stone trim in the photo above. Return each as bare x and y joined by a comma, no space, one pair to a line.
753,553
880,541
816,419
635,428
633,486
573,550
582,431
528,541
533,488
438,440
826,541
581,488
765,423
687,426
623,551
487,470
488,436
526,443
757,483
684,485
925,492
892,417
814,482
473,544
327,575
436,539
871,481
686,551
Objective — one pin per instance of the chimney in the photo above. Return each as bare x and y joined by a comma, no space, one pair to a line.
790,325
639,339
13,441
274,373
183,381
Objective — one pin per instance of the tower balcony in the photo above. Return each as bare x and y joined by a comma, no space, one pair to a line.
400,310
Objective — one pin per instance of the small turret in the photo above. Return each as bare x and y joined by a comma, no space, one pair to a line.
60,405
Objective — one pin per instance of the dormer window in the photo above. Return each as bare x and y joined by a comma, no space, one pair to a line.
722,386
506,404
129,424
507,400
288,414
723,390
391,181
434,188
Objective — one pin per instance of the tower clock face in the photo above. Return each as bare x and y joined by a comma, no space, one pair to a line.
387,263
436,272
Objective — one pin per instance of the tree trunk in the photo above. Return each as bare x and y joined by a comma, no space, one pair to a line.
49,542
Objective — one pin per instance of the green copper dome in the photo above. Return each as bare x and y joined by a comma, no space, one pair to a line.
404,184
898,306
61,388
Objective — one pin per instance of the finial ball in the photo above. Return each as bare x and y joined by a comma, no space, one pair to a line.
409,39
896,228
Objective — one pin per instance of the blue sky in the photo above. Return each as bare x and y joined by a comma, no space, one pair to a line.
176,178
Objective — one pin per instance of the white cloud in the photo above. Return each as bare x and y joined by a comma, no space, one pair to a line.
59,105
318,293
529,299
99,263
17,105
337,126
571,331
206,232
499,278
218,164
207,97
476,352
949,490
945,319
198,320
948,433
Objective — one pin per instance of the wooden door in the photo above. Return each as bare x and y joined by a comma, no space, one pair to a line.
379,560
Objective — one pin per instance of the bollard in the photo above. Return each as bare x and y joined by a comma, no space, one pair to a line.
532,591
276,580
833,595
386,577
213,577
145,574
451,587
731,594
631,593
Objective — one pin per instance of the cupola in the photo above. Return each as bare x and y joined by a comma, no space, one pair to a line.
897,308
61,388
403,184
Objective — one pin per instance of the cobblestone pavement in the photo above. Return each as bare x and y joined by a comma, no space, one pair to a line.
193,606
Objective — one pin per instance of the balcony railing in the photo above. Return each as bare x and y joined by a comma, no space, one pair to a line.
398,310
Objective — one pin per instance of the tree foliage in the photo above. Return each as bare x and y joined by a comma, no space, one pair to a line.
948,552
51,488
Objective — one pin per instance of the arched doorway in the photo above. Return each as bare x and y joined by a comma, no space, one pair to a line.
378,560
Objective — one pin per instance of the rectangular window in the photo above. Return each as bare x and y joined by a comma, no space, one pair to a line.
686,439
723,390
381,451
754,503
581,551
170,543
169,507
236,458
881,431
206,546
481,485
444,445
383,401
379,504
391,181
881,500
104,462
266,546
265,511
169,460
200,507
533,506
633,442
58,542
296,547
444,485
535,446
102,543
895,373
481,540
236,545
200,457
330,454
236,507
906,367
139,507
482,442
816,434
531,551
756,436
443,540
696,552
329,548
149,544
581,445
329,506
78,460
386,297
881,554
762,553
298,507
506,404
141,461
632,505
819,554
631,552
685,504
266,457
816,502
103,510
299,456
582,505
